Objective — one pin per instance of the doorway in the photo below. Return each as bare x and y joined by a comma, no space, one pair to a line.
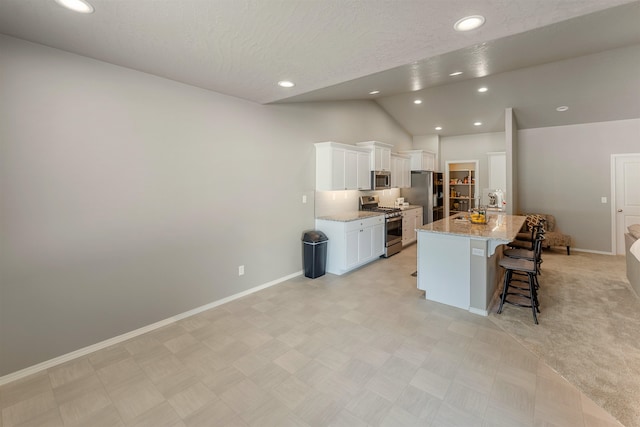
461,186
625,190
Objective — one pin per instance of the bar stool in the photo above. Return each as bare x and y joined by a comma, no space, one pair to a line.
526,267
525,240
529,254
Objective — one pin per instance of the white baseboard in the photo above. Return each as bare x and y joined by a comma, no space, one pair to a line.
473,310
591,252
126,336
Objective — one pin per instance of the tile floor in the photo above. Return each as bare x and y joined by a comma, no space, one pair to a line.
363,349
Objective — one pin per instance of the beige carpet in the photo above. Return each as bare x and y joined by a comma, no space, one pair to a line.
589,329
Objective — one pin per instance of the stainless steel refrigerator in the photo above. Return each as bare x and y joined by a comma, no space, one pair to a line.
426,191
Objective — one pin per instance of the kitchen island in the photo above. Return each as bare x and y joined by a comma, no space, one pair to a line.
458,260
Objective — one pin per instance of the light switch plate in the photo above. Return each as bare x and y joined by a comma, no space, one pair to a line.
603,200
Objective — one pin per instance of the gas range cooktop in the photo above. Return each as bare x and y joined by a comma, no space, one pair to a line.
370,203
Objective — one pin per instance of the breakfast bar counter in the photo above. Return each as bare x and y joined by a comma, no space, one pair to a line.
458,260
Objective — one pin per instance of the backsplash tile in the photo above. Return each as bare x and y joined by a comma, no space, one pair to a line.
336,202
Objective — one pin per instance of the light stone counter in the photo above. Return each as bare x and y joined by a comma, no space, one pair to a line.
500,226
406,208
458,260
350,216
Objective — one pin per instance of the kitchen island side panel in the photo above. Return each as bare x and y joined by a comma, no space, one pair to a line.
444,268
485,276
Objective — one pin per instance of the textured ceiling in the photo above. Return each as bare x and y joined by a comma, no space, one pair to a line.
332,49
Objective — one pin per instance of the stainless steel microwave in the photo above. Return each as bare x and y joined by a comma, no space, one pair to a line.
380,180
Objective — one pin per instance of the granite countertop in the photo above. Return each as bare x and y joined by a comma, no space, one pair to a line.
350,216
500,226
406,208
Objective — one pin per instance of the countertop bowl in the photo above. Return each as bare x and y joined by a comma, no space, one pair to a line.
478,218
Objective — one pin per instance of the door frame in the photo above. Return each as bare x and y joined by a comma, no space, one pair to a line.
614,224
446,178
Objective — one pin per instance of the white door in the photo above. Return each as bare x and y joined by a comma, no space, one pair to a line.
337,169
351,243
351,170
497,171
365,244
364,176
429,161
626,196
378,239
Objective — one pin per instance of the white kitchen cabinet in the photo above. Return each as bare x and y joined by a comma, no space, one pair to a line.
350,170
337,169
380,155
364,174
421,160
411,219
400,171
404,173
352,244
342,167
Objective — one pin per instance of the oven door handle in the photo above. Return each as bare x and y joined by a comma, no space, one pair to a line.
394,219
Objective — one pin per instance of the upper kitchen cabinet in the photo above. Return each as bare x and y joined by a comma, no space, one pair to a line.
342,167
380,155
400,171
421,160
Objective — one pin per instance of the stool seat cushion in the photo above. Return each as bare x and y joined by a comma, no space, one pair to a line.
521,244
520,253
519,264
524,236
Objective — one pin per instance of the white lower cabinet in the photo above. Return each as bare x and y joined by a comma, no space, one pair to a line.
353,243
411,219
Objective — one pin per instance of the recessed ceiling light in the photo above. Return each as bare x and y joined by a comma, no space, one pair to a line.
455,73
477,124
417,101
438,128
562,108
374,92
482,89
469,23
286,83
76,5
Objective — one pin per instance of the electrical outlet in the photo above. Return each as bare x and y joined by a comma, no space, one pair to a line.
241,270
603,200
477,251
304,198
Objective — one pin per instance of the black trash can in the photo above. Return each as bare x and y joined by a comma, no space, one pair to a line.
315,253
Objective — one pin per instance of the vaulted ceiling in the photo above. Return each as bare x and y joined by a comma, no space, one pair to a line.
532,55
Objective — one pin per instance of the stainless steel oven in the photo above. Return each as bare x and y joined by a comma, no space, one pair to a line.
393,241
392,222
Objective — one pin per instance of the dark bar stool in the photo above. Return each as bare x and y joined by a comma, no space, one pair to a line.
525,240
529,254
529,269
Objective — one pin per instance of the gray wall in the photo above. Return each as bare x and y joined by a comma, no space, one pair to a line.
511,145
473,147
126,199
562,170
565,170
